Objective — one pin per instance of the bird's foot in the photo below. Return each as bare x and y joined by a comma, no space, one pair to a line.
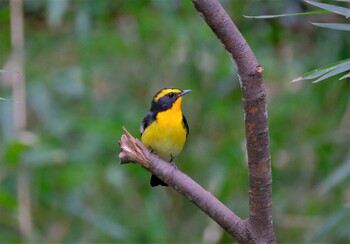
151,151
172,162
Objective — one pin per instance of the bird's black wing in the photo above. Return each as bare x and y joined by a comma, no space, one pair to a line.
149,118
184,122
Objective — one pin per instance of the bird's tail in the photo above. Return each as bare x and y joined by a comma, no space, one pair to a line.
155,181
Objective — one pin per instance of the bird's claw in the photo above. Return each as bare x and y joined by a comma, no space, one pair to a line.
172,162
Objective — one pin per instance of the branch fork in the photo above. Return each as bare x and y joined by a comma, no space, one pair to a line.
258,227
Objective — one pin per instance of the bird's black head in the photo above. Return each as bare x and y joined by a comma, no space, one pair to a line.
165,98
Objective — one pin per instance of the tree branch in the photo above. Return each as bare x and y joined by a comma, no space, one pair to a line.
258,228
133,151
255,110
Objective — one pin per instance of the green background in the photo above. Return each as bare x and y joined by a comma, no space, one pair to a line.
92,67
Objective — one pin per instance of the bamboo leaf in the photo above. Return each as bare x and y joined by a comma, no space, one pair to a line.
334,72
334,26
345,76
332,8
286,15
313,74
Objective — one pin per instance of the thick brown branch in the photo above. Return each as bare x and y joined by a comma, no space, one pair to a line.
255,109
132,150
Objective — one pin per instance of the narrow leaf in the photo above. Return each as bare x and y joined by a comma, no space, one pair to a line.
334,26
286,15
334,72
334,9
345,76
313,74
1,98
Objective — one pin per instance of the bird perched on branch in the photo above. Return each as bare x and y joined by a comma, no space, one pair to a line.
164,128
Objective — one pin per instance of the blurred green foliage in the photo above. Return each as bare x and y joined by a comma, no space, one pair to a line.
92,67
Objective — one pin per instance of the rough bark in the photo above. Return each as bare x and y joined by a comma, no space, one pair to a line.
255,116
258,227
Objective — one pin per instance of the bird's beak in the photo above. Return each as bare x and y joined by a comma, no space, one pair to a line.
184,92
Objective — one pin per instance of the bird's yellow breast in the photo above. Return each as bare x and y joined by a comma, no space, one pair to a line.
167,134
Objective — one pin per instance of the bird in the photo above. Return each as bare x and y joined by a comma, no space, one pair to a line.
164,129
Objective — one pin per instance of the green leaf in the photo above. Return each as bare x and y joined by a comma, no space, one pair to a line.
345,76
313,74
334,72
1,98
334,26
332,8
286,15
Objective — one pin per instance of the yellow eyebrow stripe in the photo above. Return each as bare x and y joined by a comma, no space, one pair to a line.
163,92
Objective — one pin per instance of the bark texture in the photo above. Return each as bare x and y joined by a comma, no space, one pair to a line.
255,115
258,227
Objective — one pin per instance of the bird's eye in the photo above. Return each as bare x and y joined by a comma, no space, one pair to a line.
171,94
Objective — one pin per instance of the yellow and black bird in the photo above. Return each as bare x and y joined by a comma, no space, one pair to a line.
164,128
